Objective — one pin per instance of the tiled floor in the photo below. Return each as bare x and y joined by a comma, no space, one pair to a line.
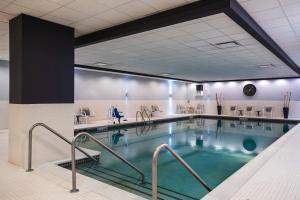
272,175
50,182
94,124
101,123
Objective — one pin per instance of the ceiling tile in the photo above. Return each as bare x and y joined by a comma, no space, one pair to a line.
38,5
88,7
136,9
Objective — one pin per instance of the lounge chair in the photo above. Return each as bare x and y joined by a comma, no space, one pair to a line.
233,110
200,109
268,111
117,114
249,110
155,110
181,109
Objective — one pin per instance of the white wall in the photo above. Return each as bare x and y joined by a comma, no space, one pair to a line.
4,88
269,93
100,90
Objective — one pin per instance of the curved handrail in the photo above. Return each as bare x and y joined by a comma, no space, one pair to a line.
136,116
74,189
145,111
29,167
154,169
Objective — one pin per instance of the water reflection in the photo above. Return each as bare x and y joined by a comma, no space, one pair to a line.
226,135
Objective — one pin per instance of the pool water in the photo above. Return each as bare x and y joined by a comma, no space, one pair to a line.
215,149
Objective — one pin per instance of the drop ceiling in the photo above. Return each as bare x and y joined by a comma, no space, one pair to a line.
210,48
171,49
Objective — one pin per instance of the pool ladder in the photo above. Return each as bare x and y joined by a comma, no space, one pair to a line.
29,164
142,113
74,188
187,166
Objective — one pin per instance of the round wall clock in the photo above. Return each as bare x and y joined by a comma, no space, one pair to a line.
249,90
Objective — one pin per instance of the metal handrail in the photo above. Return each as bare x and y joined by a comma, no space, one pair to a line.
29,167
145,111
136,116
154,169
74,189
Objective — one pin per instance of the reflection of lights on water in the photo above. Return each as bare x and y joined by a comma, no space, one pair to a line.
193,143
170,129
218,147
170,141
126,140
170,96
232,149
245,151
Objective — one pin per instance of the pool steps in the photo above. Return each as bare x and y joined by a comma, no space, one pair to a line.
131,183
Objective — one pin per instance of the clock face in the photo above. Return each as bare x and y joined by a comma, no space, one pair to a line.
249,90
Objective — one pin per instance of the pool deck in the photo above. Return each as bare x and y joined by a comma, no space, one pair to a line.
274,174
132,121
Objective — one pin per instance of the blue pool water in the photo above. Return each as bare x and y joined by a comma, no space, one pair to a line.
215,149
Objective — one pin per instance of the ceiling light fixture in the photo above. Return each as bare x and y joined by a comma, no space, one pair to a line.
101,64
265,66
165,74
226,45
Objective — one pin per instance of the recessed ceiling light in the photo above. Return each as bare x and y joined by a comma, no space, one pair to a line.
101,64
265,66
226,45
165,74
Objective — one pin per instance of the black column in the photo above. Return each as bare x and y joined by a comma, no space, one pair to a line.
41,61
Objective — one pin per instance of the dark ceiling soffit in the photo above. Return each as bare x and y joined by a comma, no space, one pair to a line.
171,78
133,73
173,16
254,79
238,14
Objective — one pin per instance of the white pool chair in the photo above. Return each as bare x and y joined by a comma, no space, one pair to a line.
268,111
155,110
249,110
181,109
200,109
87,114
233,110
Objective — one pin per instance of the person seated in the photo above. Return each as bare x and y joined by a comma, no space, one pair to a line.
117,114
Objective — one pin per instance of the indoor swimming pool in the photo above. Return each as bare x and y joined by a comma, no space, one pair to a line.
214,148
